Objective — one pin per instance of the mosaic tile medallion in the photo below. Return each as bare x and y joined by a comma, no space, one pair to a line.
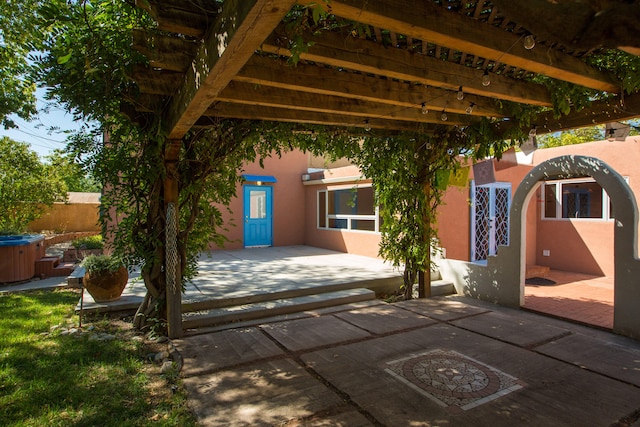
452,380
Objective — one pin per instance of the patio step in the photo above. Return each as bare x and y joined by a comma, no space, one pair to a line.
268,295
274,307
536,271
442,287
75,278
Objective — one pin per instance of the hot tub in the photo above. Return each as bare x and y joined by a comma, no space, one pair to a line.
18,255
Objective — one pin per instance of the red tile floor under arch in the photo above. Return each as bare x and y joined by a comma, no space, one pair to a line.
575,296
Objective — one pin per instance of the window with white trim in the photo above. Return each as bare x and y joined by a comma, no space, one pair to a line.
575,199
351,208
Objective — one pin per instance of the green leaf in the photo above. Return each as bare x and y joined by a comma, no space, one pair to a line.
65,59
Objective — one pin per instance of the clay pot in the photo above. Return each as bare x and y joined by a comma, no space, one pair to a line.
106,286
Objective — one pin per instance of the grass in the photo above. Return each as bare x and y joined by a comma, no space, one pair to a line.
51,379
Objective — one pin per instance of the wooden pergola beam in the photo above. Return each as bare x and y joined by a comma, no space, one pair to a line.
598,112
243,111
327,81
367,56
261,95
236,34
430,22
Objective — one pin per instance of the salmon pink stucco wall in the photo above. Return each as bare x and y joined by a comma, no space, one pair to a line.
586,245
355,242
288,201
454,215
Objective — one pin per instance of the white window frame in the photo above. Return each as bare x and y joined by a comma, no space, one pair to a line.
348,217
606,201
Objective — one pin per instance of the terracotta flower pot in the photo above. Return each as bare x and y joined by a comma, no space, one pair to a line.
106,286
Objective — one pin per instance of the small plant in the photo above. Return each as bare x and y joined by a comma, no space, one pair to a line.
96,264
10,232
87,243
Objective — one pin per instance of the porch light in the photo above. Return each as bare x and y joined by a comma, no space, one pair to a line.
460,94
529,42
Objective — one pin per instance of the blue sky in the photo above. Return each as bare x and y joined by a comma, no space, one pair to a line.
37,132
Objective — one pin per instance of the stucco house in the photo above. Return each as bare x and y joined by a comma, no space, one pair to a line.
299,200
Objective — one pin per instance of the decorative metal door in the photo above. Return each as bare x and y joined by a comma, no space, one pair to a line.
489,219
258,217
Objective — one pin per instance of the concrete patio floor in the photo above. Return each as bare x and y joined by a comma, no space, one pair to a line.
447,361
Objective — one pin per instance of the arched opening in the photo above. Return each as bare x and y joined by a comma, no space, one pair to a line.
570,257
511,264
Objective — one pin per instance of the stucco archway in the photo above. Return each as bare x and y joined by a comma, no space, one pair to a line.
508,267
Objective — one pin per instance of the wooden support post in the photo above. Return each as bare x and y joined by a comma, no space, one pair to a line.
424,277
171,196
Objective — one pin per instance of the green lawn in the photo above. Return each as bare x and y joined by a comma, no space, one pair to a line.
51,379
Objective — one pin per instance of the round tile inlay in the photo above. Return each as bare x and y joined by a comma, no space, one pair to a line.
451,379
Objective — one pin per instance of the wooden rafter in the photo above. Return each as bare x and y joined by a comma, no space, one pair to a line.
327,81
425,20
239,111
597,112
238,31
354,110
369,57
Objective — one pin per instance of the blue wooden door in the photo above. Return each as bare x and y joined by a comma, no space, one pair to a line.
258,215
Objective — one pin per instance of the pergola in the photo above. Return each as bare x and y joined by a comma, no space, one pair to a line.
229,59
384,65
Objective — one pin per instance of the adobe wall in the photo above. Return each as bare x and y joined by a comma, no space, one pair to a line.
353,242
288,201
585,245
64,217
501,280
454,215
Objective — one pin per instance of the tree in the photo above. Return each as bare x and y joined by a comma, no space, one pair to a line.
579,136
20,35
85,64
27,186
72,173
576,136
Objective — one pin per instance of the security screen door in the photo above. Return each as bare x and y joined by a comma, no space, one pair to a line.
489,219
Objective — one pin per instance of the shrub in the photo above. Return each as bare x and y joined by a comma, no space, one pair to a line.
91,242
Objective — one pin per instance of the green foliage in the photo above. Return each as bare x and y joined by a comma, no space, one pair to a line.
572,137
72,173
27,186
624,66
97,264
90,242
404,170
51,379
20,35
87,55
